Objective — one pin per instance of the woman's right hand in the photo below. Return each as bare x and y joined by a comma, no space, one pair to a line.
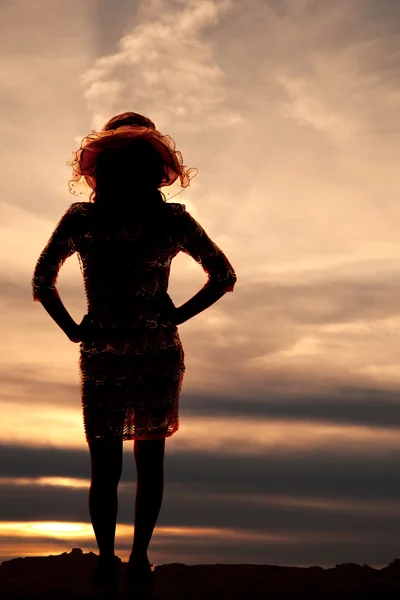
86,331
168,310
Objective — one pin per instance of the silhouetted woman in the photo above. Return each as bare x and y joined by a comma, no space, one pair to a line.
131,357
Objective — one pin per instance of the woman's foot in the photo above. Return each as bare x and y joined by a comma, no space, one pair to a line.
139,569
106,572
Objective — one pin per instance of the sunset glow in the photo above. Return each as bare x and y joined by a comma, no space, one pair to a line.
289,412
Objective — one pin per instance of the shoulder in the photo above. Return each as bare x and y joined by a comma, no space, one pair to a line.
73,216
176,208
80,208
186,224
77,212
185,219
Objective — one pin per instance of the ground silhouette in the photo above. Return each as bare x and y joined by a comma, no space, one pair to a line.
68,575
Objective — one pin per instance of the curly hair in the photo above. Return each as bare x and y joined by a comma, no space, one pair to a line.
128,118
128,151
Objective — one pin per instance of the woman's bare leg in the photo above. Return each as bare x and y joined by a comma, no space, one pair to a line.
149,458
106,466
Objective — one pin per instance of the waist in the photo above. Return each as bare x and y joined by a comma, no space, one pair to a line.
121,335
111,324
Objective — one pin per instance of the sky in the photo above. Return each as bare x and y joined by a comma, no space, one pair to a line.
288,447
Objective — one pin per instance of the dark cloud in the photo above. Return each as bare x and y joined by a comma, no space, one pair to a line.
347,405
235,492
187,505
32,461
343,472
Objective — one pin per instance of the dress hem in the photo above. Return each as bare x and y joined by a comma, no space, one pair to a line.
129,437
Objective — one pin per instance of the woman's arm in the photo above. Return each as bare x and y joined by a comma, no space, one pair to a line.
56,309
221,275
199,302
59,247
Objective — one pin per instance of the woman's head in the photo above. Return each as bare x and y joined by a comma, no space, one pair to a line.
135,165
129,154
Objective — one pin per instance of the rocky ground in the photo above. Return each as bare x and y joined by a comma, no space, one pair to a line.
68,575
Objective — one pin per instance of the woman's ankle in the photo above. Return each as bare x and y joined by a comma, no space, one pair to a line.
107,557
138,556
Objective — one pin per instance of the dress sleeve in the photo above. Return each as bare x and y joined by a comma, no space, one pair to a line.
195,242
59,247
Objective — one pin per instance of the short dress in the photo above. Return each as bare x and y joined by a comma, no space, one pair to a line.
131,363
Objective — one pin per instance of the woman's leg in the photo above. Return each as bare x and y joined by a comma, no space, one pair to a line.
149,458
106,466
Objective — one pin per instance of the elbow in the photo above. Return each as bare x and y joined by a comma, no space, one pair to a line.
37,294
225,283
40,292
233,281
36,291
230,280
230,286
229,283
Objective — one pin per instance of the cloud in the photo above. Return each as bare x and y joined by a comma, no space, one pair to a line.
269,337
164,67
342,501
290,111
344,473
41,99
344,82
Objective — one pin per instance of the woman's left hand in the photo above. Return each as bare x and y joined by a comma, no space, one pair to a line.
80,332
168,309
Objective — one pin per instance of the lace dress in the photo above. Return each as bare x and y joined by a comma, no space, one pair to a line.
132,367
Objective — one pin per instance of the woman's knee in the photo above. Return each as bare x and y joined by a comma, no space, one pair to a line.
149,452
150,447
106,459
